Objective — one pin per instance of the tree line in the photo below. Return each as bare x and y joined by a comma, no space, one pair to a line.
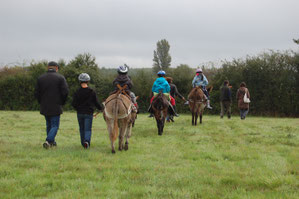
271,77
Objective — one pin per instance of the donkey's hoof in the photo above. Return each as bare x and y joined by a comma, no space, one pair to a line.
126,147
113,151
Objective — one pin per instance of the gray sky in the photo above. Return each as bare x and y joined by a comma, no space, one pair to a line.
126,31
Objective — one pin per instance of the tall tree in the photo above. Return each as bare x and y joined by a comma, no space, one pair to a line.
162,57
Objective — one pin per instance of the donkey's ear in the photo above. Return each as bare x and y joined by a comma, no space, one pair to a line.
137,97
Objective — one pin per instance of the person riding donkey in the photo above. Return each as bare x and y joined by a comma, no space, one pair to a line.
123,80
161,85
201,80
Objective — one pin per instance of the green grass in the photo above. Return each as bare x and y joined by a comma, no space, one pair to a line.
254,158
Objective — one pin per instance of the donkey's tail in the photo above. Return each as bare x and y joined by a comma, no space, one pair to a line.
115,125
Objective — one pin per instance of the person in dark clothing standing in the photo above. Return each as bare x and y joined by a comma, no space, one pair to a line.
173,93
225,99
51,92
84,101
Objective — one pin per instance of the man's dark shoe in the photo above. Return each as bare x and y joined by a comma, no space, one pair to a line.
46,145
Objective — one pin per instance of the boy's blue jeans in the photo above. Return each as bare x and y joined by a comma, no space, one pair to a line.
85,124
52,123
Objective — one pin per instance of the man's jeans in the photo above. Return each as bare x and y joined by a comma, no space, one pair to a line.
243,113
85,124
52,123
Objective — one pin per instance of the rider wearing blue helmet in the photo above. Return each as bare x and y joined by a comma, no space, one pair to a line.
161,84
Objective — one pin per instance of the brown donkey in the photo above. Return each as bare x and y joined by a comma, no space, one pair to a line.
119,116
160,106
197,104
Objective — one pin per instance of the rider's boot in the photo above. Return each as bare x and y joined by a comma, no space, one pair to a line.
208,105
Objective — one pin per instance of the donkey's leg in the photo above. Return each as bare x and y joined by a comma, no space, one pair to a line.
162,125
128,135
196,117
200,117
122,130
159,126
110,130
157,117
163,120
193,118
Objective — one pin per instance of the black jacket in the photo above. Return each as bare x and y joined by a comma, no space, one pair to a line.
122,80
84,101
225,94
51,92
174,91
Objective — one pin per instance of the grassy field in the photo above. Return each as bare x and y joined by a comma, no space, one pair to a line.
254,158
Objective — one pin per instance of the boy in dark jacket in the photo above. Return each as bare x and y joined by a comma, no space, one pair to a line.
225,99
84,101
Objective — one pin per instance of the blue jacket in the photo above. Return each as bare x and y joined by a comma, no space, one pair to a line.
200,80
161,84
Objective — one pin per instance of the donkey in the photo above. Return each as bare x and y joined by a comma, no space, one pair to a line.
197,104
160,106
119,116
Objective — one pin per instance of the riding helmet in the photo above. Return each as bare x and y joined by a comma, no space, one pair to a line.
123,69
84,77
198,70
161,73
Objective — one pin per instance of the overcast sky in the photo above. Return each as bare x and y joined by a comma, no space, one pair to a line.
126,31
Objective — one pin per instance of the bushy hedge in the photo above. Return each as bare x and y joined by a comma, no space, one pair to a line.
272,79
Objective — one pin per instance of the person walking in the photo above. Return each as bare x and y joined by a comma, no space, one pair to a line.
243,107
225,99
84,101
51,92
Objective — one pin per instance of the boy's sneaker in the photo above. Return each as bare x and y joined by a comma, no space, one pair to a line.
53,144
46,145
86,145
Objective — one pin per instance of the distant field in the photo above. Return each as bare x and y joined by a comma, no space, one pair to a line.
255,158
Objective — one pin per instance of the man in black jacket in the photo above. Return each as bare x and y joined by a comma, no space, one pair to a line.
225,99
51,92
